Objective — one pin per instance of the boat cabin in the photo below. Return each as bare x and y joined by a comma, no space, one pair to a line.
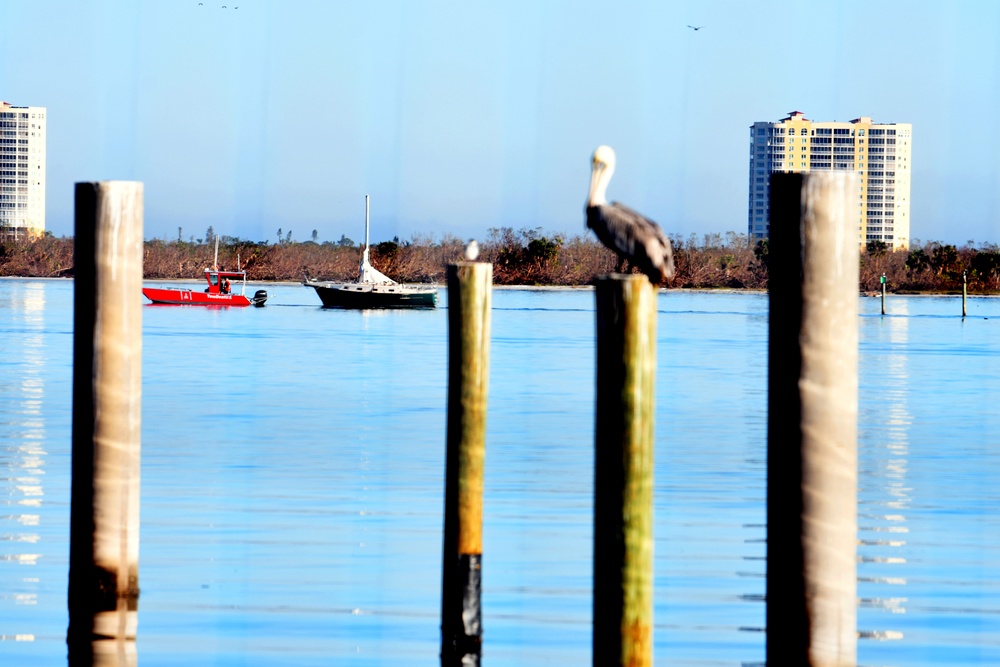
221,282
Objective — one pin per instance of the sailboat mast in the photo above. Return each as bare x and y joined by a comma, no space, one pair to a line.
363,272
216,253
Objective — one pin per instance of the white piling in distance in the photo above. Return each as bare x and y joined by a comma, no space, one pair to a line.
812,421
107,390
965,289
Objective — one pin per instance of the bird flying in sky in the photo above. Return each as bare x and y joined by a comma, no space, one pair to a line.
696,27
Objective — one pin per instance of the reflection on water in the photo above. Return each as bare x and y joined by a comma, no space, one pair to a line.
22,449
293,478
884,495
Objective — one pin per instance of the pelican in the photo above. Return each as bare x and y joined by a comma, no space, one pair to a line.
631,235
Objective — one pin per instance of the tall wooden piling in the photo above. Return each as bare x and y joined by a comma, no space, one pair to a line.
107,390
469,303
812,421
623,482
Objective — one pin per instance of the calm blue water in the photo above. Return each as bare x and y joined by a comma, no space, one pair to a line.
293,476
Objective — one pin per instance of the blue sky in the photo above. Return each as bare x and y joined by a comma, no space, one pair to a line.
460,116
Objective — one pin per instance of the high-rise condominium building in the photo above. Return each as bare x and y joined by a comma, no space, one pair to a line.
22,170
878,152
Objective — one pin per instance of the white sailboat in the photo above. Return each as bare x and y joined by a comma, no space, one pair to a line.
373,288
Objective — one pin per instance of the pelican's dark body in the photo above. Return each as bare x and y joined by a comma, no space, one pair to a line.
634,237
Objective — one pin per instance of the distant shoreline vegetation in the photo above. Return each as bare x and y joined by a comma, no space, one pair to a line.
522,257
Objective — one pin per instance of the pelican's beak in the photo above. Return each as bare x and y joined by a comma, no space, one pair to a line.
595,178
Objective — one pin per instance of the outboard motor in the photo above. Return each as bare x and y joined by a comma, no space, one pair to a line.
259,297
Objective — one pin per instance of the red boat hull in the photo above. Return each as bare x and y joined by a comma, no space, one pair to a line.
187,297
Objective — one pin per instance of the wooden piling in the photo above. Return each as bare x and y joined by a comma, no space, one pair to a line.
812,421
469,303
623,482
107,389
106,653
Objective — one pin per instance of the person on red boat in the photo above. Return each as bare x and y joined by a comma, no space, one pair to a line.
225,286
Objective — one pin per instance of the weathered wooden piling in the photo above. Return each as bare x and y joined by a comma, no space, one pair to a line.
623,482
106,653
107,391
469,303
812,421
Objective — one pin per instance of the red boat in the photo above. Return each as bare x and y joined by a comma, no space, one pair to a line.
218,293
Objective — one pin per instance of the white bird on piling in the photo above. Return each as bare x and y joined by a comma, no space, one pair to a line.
472,251
631,235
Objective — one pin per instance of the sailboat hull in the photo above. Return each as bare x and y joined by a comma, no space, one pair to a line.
362,295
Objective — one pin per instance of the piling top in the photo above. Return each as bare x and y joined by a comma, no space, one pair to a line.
620,277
